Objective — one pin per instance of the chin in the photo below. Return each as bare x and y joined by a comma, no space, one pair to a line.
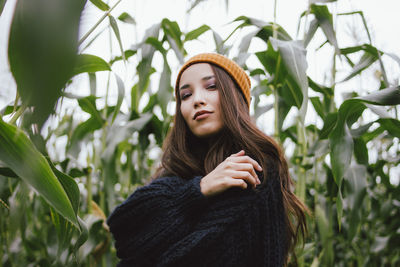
206,134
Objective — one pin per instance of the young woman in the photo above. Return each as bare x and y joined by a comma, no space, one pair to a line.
222,196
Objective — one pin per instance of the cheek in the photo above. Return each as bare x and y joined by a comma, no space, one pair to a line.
215,98
184,112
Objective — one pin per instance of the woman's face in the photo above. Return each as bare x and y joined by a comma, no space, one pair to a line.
199,96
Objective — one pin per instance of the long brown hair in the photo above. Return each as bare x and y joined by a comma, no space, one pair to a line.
186,156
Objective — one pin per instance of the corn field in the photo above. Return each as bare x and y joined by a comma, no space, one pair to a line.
68,158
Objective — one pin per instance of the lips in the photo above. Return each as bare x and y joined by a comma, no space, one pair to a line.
201,112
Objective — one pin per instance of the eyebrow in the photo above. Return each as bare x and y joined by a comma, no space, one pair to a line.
206,78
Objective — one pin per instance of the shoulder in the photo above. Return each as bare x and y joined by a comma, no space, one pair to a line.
167,182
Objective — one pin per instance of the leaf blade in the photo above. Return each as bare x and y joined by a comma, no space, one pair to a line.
20,155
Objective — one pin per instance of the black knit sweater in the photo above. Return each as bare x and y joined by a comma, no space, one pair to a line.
171,223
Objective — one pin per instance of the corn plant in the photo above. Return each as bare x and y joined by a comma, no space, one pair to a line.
67,159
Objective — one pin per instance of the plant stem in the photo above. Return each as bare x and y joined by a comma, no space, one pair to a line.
16,101
97,23
276,99
89,189
17,114
276,96
275,33
4,204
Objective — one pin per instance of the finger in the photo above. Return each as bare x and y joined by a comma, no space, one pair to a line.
244,159
238,183
246,167
240,153
246,176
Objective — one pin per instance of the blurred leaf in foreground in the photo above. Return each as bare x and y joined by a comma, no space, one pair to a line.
42,51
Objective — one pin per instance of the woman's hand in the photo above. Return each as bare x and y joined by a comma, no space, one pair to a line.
236,170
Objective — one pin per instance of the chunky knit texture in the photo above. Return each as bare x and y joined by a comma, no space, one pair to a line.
233,69
171,223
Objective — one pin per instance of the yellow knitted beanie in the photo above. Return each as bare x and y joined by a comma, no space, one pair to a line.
233,69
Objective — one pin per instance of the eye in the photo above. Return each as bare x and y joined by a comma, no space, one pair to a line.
211,86
184,96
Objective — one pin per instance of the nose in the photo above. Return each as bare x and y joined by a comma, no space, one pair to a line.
199,97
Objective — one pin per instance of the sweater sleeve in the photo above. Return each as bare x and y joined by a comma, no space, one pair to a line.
154,217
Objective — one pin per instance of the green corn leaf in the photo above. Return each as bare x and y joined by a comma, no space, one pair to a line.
83,236
172,29
391,125
64,231
90,63
128,53
270,60
42,51
125,17
373,134
121,94
339,207
291,94
326,91
7,172
157,45
325,21
115,29
95,122
258,111
356,177
246,40
325,231
318,106
92,83
144,67
118,133
2,4
294,58
341,141
196,32
266,28
174,34
164,93
312,28
360,151
100,4
365,47
365,61
8,110
69,185
358,132
80,133
220,46
388,96
283,110
19,154
88,104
